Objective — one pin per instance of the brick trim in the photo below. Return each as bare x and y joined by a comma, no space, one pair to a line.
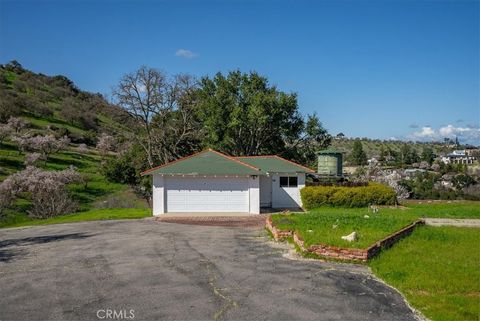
343,253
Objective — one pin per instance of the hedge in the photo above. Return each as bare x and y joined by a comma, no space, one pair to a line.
373,194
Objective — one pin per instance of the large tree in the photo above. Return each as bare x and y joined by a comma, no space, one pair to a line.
242,114
162,106
358,156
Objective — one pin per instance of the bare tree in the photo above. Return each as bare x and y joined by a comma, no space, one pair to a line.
161,105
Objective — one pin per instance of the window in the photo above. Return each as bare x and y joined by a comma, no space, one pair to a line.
293,181
288,181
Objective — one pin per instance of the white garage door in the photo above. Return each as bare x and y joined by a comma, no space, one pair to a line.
206,194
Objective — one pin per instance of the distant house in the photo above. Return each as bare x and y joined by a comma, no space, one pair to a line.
458,157
373,160
210,181
412,172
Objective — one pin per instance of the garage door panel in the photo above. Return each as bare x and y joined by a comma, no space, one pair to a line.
206,194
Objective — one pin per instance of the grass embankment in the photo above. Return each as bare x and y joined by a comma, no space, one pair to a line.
96,193
92,215
438,271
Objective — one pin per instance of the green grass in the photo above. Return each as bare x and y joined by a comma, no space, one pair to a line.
91,196
438,270
317,226
446,209
92,215
320,221
42,123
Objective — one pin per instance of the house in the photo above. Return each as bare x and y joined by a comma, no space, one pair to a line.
458,157
210,181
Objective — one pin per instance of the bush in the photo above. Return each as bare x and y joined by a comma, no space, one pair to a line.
374,193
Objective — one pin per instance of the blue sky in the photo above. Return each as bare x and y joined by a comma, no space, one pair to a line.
379,69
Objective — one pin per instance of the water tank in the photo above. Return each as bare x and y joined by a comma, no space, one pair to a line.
330,163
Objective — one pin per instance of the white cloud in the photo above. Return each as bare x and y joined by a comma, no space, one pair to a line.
185,53
469,134
425,132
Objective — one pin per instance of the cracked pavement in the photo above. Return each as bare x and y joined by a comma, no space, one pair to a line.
166,271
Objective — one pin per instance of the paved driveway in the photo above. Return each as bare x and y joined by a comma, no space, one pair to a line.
165,271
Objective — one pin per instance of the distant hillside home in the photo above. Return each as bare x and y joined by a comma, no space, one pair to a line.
210,181
458,157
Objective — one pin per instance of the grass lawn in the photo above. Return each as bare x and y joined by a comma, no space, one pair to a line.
93,215
438,270
446,209
327,225
316,226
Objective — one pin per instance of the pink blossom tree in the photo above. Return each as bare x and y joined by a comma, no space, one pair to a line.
106,143
32,159
5,132
16,124
45,145
82,148
46,190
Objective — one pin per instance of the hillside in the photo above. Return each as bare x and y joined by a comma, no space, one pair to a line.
53,105
56,105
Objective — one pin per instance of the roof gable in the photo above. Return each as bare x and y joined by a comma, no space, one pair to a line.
274,164
208,162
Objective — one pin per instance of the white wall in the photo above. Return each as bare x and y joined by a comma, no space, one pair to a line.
287,197
265,191
254,191
158,193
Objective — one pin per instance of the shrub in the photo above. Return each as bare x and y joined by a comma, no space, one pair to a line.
374,193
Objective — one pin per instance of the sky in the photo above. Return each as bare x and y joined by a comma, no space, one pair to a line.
379,69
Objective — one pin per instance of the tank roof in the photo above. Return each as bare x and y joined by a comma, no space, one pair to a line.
330,151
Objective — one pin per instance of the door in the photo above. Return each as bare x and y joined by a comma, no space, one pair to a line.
206,194
285,192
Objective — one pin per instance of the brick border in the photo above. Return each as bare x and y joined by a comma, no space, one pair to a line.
342,253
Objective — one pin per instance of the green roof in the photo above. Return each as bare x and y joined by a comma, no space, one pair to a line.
211,162
274,164
208,162
330,151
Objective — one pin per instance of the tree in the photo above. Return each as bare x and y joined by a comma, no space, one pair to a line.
242,114
162,108
16,124
358,156
383,154
7,106
428,155
106,143
46,145
5,132
312,139
46,190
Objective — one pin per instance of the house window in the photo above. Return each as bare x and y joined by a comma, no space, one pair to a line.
288,181
293,181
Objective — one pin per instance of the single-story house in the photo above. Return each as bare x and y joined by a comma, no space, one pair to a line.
210,181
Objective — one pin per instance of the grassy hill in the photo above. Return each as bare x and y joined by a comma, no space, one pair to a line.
53,105
372,147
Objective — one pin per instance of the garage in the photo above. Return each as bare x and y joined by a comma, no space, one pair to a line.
212,182
206,194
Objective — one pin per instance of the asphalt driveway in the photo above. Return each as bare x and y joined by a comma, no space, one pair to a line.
147,270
